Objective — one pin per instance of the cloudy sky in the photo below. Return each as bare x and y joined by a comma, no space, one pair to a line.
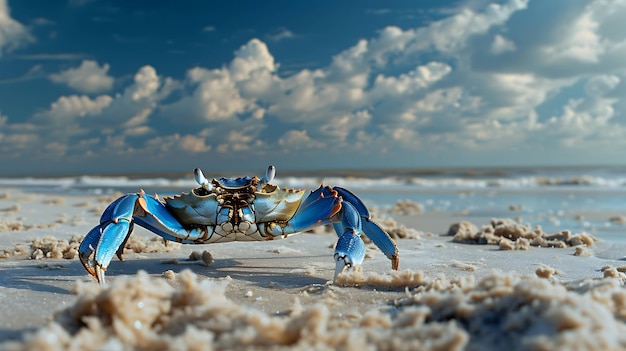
113,86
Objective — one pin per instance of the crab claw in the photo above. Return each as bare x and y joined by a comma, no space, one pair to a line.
349,252
350,249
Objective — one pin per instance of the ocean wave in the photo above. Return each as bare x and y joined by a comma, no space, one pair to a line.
352,182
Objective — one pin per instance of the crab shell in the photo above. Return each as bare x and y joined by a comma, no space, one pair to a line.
201,206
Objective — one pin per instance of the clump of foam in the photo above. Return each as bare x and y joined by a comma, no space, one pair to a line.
407,208
18,226
18,250
51,247
546,272
13,226
153,245
11,209
47,247
54,201
618,219
511,235
393,228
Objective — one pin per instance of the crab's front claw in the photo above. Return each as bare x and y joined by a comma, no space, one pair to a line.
100,245
349,252
107,238
350,249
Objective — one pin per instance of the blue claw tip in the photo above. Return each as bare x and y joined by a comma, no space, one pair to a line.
349,252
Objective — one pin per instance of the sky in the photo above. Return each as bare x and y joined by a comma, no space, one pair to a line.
116,87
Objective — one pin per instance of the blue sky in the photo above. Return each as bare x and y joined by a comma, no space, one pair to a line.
100,87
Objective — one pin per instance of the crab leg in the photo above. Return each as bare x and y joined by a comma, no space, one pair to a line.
116,224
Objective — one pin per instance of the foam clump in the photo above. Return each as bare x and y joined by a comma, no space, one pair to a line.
51,247
407,208
153,245
511,235
47,247
395,230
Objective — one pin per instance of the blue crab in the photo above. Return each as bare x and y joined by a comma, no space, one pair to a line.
236,209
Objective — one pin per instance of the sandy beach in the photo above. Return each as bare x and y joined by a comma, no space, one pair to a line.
490,286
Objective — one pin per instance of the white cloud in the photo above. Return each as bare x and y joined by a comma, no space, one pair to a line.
218,94
89,77
250,58
126,113
215,98
146,84
501,44
21,140
69,107
601,84
338,129
12,33
42,21
447,36
582,42
193,143
407,84
281,34
297,140
139,100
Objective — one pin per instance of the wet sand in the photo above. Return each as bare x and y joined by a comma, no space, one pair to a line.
452,292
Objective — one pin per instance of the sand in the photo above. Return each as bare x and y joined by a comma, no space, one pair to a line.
458,288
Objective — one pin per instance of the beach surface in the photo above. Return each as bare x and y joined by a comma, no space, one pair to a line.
494,285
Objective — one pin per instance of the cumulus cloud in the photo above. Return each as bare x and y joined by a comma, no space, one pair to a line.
69,107
219,93
138,101
112,119
89,77
297,140
12,33
193,143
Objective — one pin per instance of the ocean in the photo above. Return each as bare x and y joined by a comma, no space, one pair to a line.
582,199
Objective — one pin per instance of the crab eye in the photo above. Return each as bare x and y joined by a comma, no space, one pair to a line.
201,179
269,175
